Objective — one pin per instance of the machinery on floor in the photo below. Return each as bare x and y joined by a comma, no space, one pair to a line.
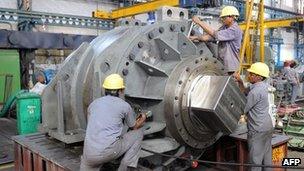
182,84
294,128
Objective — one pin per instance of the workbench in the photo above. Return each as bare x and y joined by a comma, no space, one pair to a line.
237,144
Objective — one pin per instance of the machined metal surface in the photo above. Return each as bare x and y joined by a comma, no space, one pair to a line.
159,65
216,101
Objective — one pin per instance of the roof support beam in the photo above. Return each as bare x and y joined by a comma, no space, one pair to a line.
134,9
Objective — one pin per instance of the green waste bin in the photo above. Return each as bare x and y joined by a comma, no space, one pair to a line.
28,112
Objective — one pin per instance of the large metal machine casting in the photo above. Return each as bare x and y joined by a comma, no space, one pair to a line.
192,103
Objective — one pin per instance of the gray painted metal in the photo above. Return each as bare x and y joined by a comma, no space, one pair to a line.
42,18
158,145
167,13
153,127
35,40
159,65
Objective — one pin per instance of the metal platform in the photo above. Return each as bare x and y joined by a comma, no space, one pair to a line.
8,129
237,144
39,152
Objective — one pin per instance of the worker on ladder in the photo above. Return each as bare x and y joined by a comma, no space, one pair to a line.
259,123
229,36
105,141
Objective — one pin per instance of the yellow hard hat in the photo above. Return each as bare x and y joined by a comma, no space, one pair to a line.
229,11
113,82
259,68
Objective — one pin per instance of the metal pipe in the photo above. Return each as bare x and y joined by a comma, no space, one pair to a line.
246,35
261,16
246,10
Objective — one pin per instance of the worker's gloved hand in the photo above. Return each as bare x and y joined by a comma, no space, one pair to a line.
196,19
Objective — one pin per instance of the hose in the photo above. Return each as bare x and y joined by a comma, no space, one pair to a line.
11,100
224,163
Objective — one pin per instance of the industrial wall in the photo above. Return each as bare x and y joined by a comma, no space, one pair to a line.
12,4
71,7
68,7
8,4
288,35
288,48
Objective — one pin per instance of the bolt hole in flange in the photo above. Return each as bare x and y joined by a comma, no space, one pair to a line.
169,13
105,67
181,14
131,57
172,27
161,30
184,45
150,35
183,28
125,72
166,51
140,44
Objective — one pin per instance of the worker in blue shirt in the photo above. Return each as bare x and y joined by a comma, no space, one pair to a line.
259,122
229,36
105,140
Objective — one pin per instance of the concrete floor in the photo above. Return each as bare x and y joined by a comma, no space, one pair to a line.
291,154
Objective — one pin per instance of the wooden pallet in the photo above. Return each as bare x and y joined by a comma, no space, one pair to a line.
40,153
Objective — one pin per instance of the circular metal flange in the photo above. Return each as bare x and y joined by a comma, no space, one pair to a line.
180,121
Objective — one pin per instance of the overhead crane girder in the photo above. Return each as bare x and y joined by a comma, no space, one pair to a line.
134,9
275,23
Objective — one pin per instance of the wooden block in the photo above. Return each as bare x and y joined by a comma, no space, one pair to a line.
27,160
17,150
37,163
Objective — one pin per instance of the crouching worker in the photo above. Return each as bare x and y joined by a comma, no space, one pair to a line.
104,139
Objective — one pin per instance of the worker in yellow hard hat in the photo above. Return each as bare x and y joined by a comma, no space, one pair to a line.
228,36
105,140
259,123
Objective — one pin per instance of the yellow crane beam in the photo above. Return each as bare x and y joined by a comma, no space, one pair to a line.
275,23
134,9
262,30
